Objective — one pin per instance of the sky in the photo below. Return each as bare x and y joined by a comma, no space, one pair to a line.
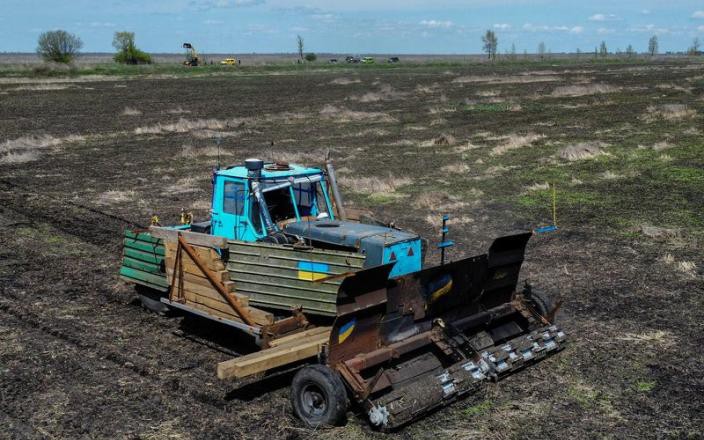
356,26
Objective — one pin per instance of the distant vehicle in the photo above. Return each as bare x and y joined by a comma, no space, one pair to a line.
393,60
192,58
368,60
332,61
229,62
352,60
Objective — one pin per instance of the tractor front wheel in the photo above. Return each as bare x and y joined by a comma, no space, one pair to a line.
151,300
319,397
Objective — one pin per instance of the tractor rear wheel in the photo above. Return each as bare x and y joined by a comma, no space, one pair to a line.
319,397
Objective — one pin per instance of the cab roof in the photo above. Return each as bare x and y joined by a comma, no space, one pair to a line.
269,172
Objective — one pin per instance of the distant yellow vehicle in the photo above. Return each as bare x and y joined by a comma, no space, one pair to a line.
229,62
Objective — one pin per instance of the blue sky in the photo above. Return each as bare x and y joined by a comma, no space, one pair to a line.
358,26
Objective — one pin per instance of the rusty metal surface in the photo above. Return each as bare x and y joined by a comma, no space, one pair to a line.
410,344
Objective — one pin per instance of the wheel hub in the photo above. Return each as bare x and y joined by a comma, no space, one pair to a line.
314,401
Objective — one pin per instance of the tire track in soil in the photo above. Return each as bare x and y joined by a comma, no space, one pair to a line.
182,392
171,390
82,370
87,228
164,326
31,320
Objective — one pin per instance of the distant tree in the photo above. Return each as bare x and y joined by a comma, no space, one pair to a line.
513,51
694,50
127,51
490,44
603,50
525,54
299,43
629,51
310,57
541,50
579,52
653,45
58,46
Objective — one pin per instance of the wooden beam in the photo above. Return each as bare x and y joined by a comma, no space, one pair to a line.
271,358
295,338
194,271
232,300
209,292
201,280
195,238
207,254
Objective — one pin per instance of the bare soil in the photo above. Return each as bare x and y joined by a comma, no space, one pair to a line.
80,359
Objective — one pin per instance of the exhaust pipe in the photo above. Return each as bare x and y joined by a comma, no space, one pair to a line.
335,190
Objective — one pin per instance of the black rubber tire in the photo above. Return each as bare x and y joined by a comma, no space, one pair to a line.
151,300
541,302
319,397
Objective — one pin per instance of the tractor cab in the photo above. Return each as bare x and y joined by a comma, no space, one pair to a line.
287,204
253,201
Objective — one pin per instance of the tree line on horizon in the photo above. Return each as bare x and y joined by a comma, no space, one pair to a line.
60,46
490,44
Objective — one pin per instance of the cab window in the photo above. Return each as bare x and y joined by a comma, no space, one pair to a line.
305,197
280,204
233,198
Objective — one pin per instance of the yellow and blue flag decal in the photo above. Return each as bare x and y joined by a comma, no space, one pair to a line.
309,271
346,330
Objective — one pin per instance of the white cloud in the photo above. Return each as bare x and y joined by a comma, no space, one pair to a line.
97,24
299,29
701,28
502,26
645,11
209,4
604,31
602,17
437,23
650,28
698,14
210,21
323,17
530,27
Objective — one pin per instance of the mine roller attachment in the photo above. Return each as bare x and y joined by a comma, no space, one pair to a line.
409,345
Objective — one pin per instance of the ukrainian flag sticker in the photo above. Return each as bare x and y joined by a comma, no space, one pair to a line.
309,271
345,331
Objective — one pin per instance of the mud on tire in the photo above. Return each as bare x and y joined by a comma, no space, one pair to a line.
319,397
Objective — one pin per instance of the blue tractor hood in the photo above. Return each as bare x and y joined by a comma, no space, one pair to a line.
380,244
346,233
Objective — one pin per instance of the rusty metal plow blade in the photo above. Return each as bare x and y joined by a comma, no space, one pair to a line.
409,345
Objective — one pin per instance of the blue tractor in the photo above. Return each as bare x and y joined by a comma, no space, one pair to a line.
286,204
346,303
